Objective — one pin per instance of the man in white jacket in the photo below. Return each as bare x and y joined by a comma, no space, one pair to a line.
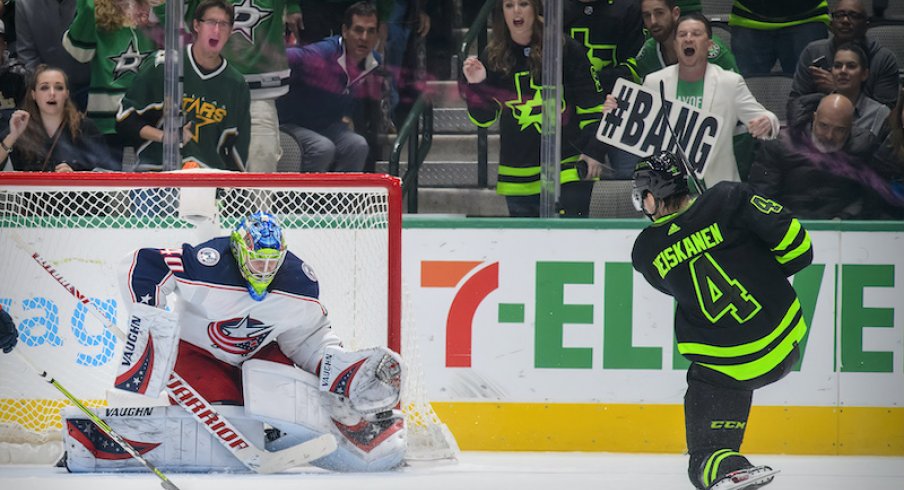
708,87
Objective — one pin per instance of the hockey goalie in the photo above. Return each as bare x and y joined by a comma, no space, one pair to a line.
248,360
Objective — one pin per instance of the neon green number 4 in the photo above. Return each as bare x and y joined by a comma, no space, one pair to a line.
719,294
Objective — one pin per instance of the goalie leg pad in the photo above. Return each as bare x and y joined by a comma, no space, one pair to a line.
149,352
167,437
290,400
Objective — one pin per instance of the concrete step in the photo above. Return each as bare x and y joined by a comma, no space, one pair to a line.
455,120
450,148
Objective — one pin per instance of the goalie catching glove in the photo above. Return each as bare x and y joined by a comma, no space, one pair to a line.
356,384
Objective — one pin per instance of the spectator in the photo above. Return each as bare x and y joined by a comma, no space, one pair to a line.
112,36
257,49
849,24
888,162
215,100
816,171
611,34
328,79
660,18
49,134
40,25
505,84
763,31
849,71
324,18
708,87
12,82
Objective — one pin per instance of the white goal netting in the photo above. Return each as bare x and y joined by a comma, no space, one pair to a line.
346,227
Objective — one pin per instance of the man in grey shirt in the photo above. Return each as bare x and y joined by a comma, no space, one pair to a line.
40,25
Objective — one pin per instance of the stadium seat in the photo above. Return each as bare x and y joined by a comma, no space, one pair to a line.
891,35
612,199
291,151
720,8
772,91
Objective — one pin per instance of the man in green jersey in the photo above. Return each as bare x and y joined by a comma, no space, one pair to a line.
725,257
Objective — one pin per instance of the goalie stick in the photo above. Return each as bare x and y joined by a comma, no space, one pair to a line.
254,458
701,187
165,482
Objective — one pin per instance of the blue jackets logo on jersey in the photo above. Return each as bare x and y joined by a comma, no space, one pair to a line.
240,336
208,256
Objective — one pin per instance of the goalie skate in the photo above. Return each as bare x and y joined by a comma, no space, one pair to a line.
745,479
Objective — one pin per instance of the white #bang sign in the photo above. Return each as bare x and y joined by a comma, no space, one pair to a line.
638,125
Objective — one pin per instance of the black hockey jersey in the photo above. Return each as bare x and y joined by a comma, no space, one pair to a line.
726,259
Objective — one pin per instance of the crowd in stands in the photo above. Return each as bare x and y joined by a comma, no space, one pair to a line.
81,89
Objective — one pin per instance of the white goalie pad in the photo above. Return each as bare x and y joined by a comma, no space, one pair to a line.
149,353
290,400
168,437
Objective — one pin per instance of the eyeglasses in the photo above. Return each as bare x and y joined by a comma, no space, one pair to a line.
220,24
850,14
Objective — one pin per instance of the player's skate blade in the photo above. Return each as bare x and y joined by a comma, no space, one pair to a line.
745,479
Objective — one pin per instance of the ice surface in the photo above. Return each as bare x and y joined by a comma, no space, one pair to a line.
496,471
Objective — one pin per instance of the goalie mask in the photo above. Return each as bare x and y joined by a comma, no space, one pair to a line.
662,175
259,250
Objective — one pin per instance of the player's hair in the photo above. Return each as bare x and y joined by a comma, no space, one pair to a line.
499,52
361,9
31,143
698,16
856,48
206,5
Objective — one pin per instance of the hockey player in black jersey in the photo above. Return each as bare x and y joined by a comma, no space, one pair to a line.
725,257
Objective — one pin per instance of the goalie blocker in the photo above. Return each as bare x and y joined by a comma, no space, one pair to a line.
284,406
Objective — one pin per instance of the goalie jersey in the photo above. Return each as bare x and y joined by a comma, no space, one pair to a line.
726,259
217,314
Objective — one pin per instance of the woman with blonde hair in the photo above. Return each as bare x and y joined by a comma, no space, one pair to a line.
49,134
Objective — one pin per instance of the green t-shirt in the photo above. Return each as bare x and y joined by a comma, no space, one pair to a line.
649,59
691,93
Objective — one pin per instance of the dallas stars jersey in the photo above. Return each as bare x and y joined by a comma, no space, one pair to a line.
217,314
217,104
725,259
115,56
611,32
515,100
257,47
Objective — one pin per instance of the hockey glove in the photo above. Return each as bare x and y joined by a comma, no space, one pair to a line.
366,381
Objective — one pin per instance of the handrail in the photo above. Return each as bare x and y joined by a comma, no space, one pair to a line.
478,31
418,147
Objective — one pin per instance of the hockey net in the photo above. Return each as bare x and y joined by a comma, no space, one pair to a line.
347,227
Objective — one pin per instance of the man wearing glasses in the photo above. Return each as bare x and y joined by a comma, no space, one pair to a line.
849,24
215,100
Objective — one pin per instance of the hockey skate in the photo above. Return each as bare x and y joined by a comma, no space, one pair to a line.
745,479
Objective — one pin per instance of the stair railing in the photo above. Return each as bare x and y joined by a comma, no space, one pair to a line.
417,131
478,32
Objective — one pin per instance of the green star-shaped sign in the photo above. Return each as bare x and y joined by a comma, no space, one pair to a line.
523,107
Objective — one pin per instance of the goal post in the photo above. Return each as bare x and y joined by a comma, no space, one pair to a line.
346,226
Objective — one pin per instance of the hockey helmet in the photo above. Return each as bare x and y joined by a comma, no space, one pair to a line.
259,250
661,174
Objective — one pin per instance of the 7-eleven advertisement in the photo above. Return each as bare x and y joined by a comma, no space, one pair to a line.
552,327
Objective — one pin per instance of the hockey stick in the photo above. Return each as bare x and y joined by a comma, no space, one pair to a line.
165,482
253,457
701,187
